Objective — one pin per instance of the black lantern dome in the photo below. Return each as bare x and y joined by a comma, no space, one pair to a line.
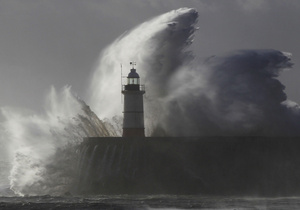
133,74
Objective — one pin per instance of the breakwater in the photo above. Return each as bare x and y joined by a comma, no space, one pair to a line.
260,166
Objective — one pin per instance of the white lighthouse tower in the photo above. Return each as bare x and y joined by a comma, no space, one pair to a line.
133,122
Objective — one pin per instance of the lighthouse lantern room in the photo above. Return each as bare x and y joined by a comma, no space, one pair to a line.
133,121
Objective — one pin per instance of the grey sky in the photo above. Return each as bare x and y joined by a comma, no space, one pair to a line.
57,42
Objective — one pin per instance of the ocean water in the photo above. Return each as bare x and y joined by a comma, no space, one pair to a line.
149,202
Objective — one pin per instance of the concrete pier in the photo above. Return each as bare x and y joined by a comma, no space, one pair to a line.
264,166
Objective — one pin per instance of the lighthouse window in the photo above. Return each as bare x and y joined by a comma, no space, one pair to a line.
133,81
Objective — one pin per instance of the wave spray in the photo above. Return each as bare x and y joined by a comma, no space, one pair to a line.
43,147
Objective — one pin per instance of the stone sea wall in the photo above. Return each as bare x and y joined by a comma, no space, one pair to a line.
261,166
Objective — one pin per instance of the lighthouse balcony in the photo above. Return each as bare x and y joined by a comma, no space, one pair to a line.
133,87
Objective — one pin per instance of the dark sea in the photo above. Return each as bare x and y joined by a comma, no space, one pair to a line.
148,202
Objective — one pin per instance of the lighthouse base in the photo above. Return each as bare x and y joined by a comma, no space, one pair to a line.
133,132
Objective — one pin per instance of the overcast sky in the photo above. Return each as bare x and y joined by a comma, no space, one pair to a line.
58,42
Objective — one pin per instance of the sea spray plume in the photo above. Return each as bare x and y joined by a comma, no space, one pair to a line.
43,146
248,95
158,47
235,94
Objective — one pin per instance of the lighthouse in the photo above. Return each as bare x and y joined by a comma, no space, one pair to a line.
133,91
